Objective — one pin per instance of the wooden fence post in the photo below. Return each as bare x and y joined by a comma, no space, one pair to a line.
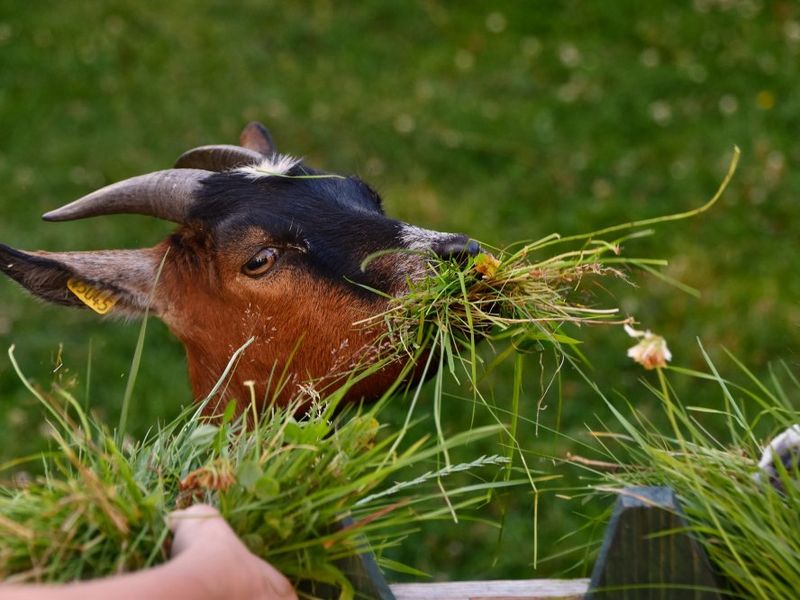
648,554
366,576
361,570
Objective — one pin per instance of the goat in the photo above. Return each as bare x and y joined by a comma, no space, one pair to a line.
266,247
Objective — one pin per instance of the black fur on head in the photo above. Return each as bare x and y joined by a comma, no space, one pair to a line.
335,222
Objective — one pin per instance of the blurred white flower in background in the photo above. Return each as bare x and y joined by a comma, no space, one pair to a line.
651,352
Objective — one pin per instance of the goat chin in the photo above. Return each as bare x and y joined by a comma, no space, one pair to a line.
366,382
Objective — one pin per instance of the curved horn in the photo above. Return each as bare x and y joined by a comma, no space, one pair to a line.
164,194
219,157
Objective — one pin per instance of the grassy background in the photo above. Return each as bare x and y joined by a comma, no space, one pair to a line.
508,122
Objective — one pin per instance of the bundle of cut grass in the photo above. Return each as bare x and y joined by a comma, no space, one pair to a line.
506,295
283,484
745,523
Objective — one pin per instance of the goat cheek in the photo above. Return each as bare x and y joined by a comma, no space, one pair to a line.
300,324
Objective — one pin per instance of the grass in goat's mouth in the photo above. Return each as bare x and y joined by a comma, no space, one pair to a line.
506,294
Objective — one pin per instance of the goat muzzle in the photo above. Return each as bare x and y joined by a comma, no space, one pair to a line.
459,248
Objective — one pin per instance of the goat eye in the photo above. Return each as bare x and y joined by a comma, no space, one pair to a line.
261,262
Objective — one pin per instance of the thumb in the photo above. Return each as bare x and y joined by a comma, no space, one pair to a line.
188,523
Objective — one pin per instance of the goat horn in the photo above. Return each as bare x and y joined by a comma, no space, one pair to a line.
166,194
219,157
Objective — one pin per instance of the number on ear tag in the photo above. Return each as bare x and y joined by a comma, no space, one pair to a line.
100,301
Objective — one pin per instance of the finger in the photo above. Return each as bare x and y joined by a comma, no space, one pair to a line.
195,513
278,584
188,525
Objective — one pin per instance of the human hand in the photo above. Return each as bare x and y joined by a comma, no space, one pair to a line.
208,549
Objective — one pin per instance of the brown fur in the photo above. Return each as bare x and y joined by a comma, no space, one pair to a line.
214,309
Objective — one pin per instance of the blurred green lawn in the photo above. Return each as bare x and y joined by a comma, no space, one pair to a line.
506,120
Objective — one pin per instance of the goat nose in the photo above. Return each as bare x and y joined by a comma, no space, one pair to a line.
459,247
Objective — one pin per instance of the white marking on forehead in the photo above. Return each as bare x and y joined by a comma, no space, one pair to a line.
417,238
277,164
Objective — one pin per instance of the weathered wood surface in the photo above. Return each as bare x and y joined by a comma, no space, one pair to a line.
647,553
533,589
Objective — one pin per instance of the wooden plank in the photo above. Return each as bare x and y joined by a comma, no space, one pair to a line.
522,589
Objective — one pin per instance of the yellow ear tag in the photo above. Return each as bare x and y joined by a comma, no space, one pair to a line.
100,301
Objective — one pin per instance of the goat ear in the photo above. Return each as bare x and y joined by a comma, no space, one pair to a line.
112,281
256,137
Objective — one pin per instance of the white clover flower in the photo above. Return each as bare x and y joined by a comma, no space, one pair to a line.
651,352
